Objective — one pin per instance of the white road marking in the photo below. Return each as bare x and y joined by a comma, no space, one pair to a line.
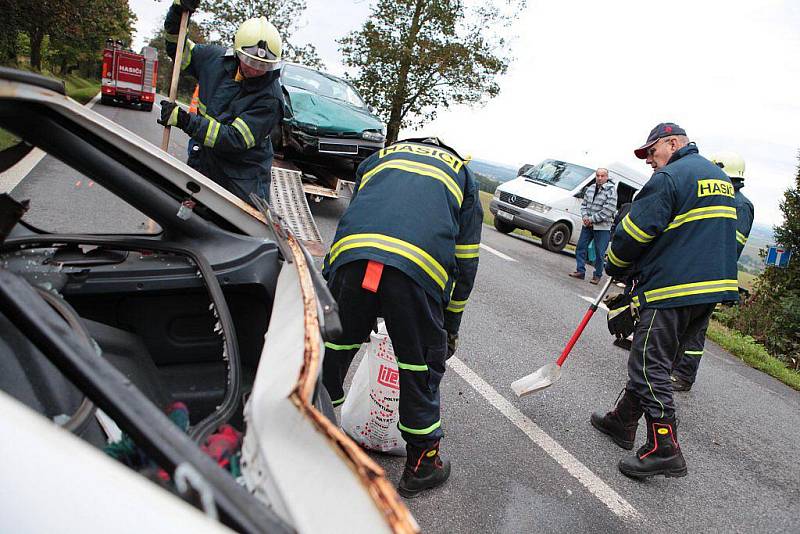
591,299
13,176
497,252
596,486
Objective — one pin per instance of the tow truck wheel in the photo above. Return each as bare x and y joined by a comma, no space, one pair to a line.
106,100
502,226
556,237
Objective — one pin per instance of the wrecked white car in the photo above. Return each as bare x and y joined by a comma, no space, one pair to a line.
213,307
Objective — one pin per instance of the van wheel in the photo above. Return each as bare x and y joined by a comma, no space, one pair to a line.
502,226
556,237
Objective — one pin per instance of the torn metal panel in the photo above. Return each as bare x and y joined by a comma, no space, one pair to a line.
294,458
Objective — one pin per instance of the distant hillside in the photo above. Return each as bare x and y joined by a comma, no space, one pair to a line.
490,174
760,238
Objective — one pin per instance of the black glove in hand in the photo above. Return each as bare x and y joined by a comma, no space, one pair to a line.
173,115
452,344
187,5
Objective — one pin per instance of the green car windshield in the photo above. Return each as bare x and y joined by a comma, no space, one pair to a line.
321,84
559,173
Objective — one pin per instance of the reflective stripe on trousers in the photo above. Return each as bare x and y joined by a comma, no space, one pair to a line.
415,324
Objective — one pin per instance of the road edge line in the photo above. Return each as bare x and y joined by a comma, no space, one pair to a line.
13,176
497,253
596,486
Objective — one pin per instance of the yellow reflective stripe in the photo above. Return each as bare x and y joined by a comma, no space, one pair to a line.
415,167
200,106
616,261
468,251
456,306
243,129
634,231
211,133
187,54
173,117
740,237
170,38
420,431
693,352
337,402
397,246
635,301
695,288
644,363
334,346
708,212
411,367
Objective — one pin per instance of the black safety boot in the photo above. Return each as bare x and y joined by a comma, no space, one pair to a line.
661,455
679,384
425,469
621,422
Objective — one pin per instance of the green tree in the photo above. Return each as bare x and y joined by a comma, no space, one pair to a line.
772,315
40,18
79,40
415,57
225,16
186,83
9,31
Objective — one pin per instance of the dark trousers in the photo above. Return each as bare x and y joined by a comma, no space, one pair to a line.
601,239
687,359
656,339
415,323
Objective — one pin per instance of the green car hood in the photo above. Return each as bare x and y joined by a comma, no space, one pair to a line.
328,115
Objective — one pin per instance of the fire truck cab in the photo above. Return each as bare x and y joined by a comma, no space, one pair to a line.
129,77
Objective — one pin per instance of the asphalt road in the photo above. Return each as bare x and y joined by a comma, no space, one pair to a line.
535,464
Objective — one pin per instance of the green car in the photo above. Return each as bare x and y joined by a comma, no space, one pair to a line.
325,115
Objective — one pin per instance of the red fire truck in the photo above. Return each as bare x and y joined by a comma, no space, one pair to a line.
129,77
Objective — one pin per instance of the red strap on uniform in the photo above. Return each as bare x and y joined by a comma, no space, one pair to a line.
372,276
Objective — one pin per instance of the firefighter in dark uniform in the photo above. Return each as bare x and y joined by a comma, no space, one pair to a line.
681,235
406,250
240,102
687,361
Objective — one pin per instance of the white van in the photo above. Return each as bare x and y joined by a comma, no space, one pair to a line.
546,199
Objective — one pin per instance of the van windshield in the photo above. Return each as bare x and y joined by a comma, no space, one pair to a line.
559,173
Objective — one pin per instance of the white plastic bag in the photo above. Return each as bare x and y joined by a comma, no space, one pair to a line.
371,410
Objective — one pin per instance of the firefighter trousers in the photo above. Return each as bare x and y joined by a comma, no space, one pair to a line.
415,323
687,359
656,339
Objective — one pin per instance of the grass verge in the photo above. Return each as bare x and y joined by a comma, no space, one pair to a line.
81,89
752,353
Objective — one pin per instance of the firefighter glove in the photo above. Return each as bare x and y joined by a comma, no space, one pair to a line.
173,115
187,5
452,344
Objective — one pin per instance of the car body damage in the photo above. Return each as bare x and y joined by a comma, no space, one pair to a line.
160,309
325,116
273,466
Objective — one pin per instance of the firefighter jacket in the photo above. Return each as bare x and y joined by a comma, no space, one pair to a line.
235,117
415,207
744,218
681,235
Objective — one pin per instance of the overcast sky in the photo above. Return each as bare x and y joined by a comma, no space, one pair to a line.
592,78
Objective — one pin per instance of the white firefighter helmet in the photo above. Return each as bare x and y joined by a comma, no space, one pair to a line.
730,162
